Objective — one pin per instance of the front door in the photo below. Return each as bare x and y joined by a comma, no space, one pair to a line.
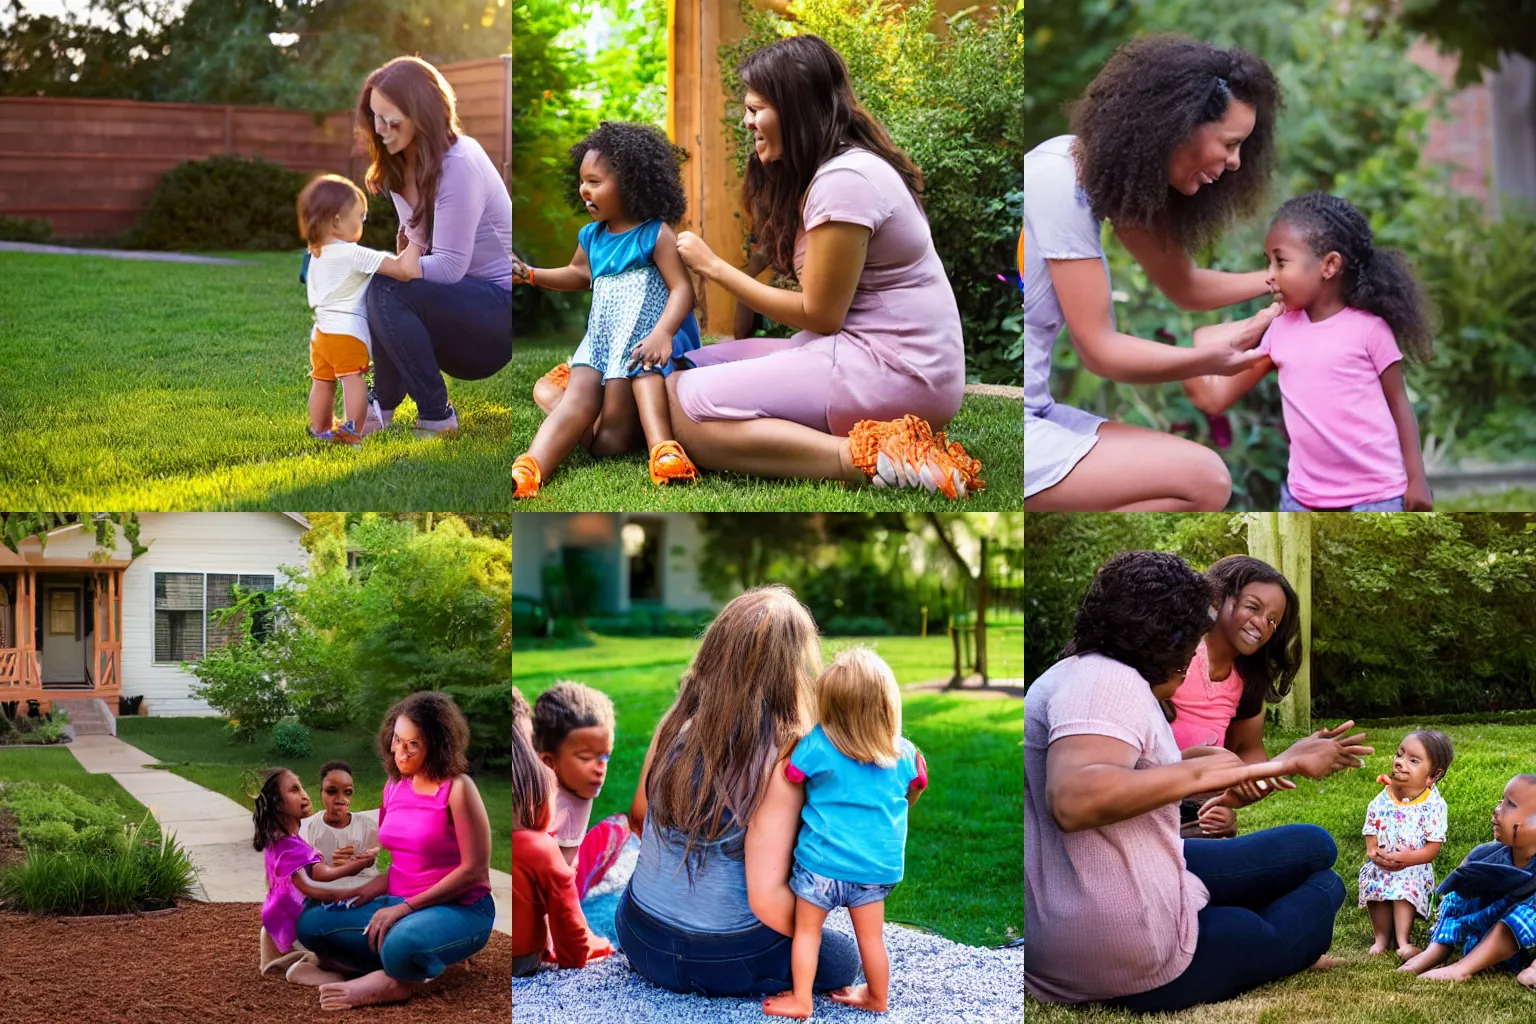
63,640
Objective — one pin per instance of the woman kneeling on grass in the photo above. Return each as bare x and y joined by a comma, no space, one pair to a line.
1118,908
433,906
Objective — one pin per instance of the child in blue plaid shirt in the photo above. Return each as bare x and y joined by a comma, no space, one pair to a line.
1489,903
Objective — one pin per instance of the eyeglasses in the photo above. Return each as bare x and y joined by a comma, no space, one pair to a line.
392,123
411,747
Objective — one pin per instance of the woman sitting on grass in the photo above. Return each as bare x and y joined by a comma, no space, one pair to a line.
709,907
1117,907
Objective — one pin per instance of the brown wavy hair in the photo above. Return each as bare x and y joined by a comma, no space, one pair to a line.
327,196
805,80
532,783
424,96
444,734
748,695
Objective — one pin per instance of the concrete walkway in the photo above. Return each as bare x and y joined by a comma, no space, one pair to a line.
121,254
214,830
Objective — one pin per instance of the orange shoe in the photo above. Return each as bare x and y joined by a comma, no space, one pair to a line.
669,462
560,376
907,453
525,477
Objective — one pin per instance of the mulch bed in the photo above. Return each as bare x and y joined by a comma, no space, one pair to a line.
200,965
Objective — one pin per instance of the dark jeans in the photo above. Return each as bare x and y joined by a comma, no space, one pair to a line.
754,962
417,948
1273,897
422,330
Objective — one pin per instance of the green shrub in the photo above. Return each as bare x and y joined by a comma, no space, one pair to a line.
24,229
239,682
651,622
290,740
489,710
52,818
953,102
856,625
143,872
223,202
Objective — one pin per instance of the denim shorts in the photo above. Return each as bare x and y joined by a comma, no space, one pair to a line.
1289,504
829,894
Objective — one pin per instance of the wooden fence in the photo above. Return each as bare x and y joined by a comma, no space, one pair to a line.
89,167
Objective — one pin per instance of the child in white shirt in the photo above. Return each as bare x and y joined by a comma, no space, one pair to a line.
332,211
338,833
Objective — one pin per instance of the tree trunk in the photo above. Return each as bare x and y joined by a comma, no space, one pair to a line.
983,585
1512,98
1296,559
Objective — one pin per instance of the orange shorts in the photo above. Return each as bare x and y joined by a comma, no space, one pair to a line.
336,355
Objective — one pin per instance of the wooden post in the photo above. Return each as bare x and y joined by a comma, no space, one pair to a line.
696,29
982,584
1296,564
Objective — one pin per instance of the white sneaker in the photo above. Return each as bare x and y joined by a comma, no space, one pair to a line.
437,428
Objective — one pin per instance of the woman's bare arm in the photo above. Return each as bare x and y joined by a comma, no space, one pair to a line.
637,807
770,851
834,259
1187,286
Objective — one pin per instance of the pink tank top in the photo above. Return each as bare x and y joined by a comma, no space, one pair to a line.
419,835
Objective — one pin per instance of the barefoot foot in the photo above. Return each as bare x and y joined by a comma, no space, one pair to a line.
377,987
1451,973
1325,961
308,972
1379,946
859,997
1527,977
1407,951
785,1004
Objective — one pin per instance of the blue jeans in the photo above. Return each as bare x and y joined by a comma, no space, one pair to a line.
1273,897
754,962
1289,504
417,948
422,330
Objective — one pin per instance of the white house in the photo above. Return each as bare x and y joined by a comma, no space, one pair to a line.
637,560
76,625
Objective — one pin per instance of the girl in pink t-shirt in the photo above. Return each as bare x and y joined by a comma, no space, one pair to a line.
1352,312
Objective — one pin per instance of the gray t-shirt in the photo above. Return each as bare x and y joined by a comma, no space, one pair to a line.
715,902
1112,910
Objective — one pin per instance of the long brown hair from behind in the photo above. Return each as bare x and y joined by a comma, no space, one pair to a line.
748,694
859,705
424,96
532,783
806,81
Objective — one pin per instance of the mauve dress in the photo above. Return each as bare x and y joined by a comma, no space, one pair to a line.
900,350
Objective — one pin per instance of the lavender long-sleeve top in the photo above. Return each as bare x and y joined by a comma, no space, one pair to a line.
472,220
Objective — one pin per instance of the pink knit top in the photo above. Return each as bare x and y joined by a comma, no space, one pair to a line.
418,832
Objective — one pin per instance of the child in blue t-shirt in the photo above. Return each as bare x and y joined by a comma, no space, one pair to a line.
860,777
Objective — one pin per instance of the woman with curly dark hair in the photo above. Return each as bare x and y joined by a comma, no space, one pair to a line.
1118,908
641,322
457,317
879,361
1171,142
433,905
1354,312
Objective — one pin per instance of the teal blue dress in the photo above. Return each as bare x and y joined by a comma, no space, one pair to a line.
628,297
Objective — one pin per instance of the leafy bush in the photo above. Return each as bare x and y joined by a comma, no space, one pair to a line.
856,625
144,872
290,740
952,101
489,710
52,818
24,229
223,202
1422,614
240,682
651,622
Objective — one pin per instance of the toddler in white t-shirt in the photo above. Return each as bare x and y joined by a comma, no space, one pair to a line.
338,833
332,211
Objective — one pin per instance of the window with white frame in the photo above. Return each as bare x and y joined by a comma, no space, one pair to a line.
184,603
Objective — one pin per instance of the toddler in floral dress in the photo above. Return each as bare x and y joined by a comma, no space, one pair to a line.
1404,827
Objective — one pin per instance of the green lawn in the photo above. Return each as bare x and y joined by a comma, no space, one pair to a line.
200,749
992,430
1368,990
1488,501
57,764
184,386
964,873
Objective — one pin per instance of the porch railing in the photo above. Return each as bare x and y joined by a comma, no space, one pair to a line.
20,667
